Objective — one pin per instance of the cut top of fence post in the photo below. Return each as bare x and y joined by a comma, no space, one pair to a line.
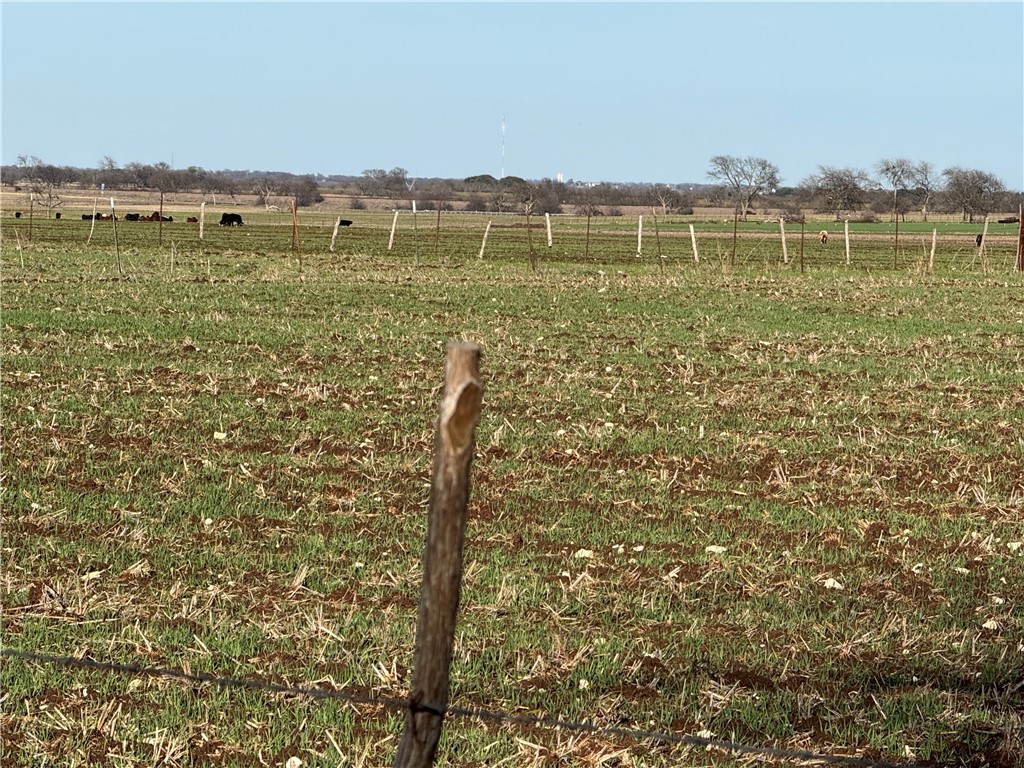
460,406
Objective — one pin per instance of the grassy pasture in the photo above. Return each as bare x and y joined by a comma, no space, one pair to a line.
611,240
778,508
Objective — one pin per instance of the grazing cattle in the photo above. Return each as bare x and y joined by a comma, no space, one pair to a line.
823,236
978,239
86,217
98,217
192,220
344,222
17,214
131,217
231,220
1010,220
56,215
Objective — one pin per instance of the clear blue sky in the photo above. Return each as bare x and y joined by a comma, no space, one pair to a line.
593,91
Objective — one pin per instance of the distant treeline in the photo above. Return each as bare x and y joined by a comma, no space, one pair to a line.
970,193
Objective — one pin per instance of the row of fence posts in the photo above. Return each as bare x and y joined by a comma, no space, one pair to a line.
1019,264
296,247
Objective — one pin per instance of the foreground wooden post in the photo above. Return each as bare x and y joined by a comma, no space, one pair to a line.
782,233
846,234
437,230
92,226
442,558
981,246
693,242
394,223
547,219
1020,238
202,218
657,242
117,249
735,225
931,256
586,243
640,236
334,235
483,245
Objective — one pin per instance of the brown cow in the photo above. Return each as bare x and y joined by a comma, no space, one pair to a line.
192,220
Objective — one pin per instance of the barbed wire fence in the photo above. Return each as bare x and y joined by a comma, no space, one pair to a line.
405,705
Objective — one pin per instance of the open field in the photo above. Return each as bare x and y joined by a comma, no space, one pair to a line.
724,498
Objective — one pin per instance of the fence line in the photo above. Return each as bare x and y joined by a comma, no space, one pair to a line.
452,711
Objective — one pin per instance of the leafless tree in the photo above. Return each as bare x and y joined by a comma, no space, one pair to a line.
971,191
745,177
264,189
924,178
896,172
837,190
45,180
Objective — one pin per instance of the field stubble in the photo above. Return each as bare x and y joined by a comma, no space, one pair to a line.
775,508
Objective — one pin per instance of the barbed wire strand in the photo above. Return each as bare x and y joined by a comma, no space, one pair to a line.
452,711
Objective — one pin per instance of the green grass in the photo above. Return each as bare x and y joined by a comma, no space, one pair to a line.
782,508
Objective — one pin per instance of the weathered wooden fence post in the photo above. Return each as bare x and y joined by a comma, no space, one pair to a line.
442,557
117,248
931,256
981,247
657,242
586,243
782,233
846,235
735,226
92,226
394,223
1020,238
483,245
547,219
693,242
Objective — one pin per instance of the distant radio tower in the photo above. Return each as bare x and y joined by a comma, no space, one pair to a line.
502,146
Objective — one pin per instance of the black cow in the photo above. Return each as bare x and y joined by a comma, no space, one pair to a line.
56,215
131,217
977,240
1010,220
86,217
231,219
344,222
17,214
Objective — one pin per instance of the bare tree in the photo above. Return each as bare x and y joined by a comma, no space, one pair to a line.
896,172
44,180
264,189
670,200
971,191
837,190
746,177
925,179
